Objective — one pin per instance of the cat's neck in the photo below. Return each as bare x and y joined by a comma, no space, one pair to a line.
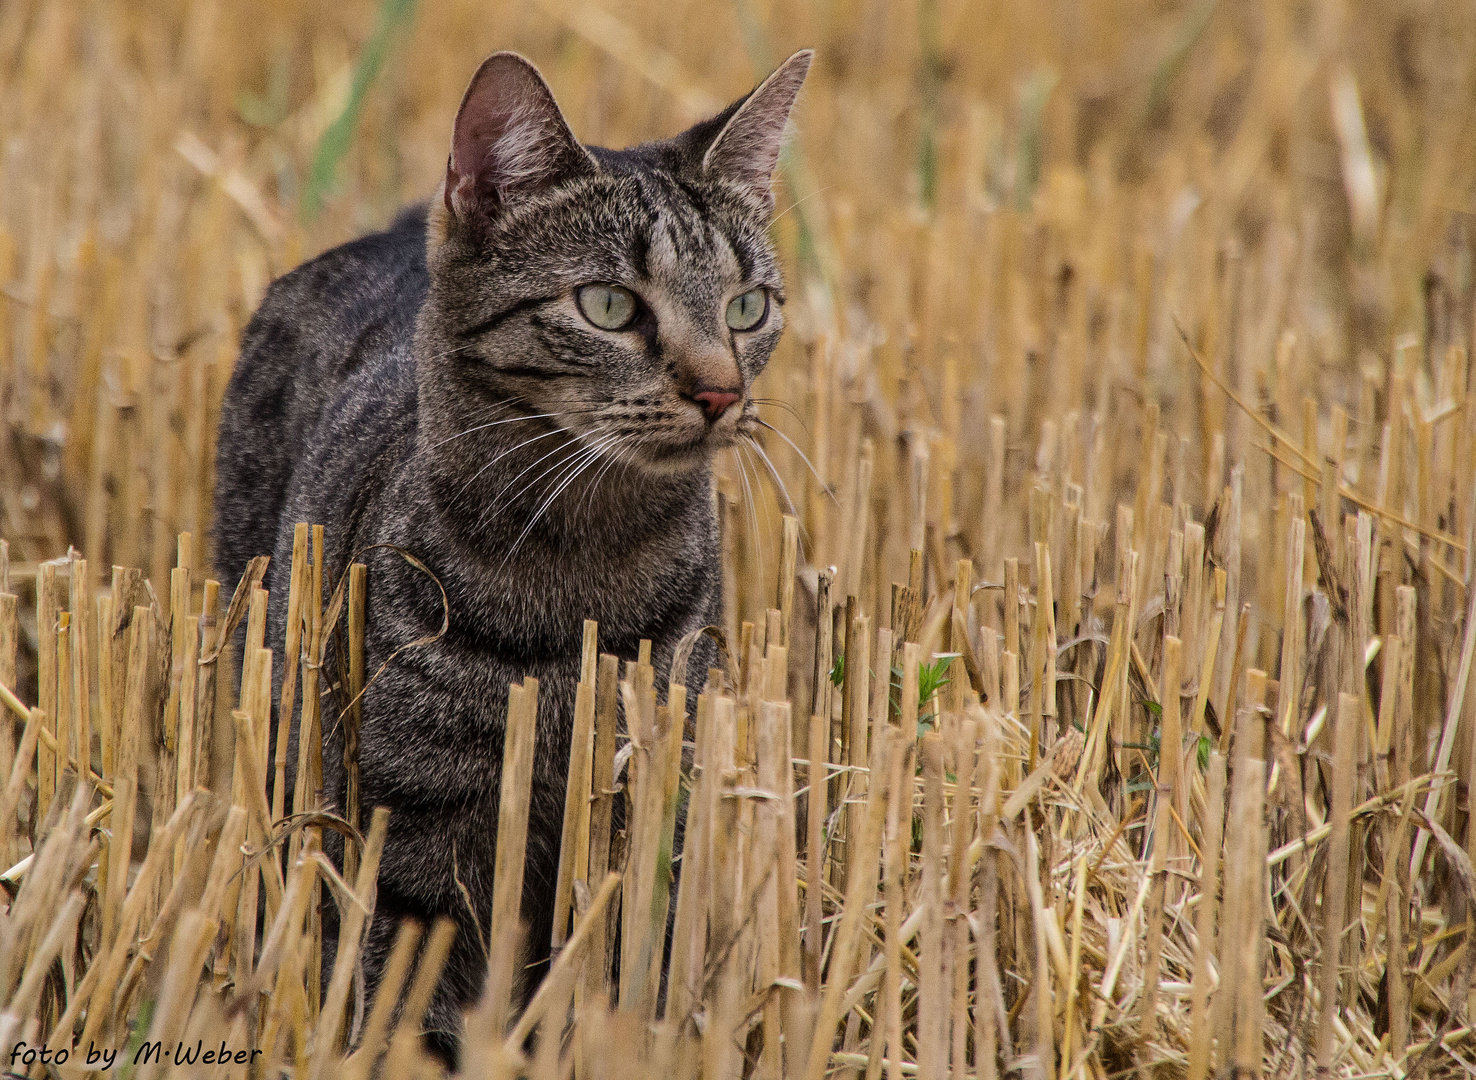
522,484
526,553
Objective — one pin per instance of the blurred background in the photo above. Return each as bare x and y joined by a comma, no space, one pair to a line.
1069,283
988,209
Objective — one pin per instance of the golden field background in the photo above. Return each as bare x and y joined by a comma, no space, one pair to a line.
1101,297
1004,210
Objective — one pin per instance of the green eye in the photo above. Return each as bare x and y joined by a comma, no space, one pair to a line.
747,311
607,306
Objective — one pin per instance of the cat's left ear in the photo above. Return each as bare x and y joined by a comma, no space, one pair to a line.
510,138
746,150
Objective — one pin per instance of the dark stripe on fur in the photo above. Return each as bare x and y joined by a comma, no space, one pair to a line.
492,322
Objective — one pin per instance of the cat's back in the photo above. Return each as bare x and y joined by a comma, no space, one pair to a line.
337,314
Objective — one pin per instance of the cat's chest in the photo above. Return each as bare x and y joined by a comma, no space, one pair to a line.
530,596
455,678
542,613
535,617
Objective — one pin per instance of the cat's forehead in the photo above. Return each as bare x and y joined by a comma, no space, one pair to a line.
645,221
679,217
682,232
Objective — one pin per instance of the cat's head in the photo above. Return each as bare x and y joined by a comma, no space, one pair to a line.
631,297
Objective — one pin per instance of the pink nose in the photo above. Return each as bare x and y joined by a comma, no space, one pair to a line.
716,402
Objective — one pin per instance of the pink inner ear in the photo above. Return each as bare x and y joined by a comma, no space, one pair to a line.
509,136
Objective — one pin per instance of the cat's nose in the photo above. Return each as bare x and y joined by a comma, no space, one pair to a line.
716,402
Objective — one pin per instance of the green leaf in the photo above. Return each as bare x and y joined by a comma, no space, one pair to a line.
932,677
339,136
141,1024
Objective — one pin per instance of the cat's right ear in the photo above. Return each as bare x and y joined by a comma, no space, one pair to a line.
510,139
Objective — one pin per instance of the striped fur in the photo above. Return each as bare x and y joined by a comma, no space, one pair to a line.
436,388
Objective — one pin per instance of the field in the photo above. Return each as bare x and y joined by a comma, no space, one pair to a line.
1100,618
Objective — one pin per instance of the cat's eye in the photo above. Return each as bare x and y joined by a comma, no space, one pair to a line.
607,306
747,311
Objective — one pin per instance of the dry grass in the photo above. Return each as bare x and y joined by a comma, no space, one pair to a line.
1131,350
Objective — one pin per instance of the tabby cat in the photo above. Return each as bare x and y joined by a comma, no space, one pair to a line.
523,384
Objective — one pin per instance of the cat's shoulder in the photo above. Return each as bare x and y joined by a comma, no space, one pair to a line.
346,316
382,273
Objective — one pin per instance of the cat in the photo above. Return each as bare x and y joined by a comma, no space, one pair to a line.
523,384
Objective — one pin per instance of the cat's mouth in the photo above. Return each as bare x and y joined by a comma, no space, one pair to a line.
680,454
659,438
683,447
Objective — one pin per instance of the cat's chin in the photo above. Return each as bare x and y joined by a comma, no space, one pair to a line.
681,459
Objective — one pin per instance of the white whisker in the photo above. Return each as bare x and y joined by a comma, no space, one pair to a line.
786,406
813,471
498,503
590,454
610,461
752,516
768,517
498,457
493,424
778,480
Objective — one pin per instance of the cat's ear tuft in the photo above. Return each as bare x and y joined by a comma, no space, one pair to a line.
510,138
746,150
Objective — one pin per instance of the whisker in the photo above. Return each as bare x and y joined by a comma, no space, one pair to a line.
778,480
491,406
803,457
483,410
586,456
591,454
499,500
764,503
761,509
594,452
453,352
493,424
498,504
498,457
628,459
796,202
610,461
752,517
786,406
804,534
